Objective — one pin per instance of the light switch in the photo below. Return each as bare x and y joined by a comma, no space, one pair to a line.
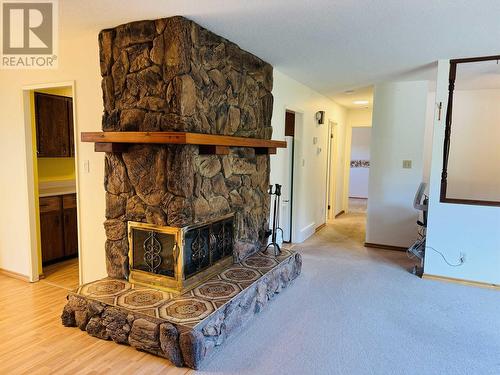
86,166
407,164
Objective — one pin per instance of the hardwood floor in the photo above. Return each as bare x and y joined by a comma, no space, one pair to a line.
64,274
33,340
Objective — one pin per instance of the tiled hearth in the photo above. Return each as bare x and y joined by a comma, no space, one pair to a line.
188,309
185,329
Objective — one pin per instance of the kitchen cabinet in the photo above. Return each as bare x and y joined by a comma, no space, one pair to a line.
54,125
58,227
70,225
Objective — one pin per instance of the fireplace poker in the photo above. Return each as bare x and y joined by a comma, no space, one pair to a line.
277,194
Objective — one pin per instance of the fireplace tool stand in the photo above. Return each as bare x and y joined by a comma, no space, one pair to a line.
276,218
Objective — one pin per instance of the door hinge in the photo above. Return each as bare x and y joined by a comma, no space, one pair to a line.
329,207
440,107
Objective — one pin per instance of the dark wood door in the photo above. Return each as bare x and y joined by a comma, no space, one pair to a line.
51,228
70,226
52,125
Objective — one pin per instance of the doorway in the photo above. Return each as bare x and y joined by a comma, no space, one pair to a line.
359,169
287,191
52,185
331,171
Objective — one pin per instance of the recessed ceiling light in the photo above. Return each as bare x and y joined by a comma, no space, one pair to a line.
360,102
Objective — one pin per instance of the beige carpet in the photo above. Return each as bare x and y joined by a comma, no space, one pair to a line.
359,311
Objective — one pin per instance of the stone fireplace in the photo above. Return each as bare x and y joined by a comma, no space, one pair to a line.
174,75
186,135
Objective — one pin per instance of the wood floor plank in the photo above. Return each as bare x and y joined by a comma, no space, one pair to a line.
33,340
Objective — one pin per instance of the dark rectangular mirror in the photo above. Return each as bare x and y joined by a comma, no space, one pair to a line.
471,155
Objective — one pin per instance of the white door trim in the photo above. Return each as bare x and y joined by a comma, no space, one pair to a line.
34,259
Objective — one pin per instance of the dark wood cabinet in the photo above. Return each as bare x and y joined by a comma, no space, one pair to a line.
70,225
54,125
51,229
58,227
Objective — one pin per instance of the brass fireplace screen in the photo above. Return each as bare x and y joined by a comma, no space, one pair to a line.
178,259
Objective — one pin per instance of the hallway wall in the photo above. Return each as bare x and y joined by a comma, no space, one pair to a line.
399,118
310,159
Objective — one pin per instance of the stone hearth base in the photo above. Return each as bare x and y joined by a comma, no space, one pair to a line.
184,329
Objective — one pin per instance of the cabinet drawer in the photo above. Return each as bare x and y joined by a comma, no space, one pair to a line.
49,204
69,201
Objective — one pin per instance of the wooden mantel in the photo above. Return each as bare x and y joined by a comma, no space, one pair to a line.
209,143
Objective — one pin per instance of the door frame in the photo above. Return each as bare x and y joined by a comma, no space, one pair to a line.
331,171
32,190
297,155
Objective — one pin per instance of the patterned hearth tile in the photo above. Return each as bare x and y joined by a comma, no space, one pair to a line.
151,312
190,324
245,285
141,298
216,290
219,304
284,253
192,307
105,288
239,274
186,310
260,262
107,300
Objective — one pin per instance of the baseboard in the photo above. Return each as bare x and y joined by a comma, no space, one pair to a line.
306,232
385,247
318,228
15,275
339,214
461,281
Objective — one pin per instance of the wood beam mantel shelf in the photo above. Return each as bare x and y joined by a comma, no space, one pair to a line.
208,143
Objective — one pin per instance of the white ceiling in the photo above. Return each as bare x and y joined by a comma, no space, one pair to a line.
352,98
329,45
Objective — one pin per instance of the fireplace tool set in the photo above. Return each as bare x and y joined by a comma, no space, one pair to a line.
276,218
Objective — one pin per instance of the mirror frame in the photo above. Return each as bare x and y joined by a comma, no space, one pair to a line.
447,134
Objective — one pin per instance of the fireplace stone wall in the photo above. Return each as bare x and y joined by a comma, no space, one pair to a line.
173,75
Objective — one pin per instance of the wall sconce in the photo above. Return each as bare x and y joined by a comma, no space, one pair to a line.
320,117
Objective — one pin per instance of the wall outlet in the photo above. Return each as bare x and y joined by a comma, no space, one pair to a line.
407,164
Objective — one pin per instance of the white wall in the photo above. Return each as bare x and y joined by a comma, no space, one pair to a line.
79,61
399,118
309,202
360,150
474,159
428,133
454,228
